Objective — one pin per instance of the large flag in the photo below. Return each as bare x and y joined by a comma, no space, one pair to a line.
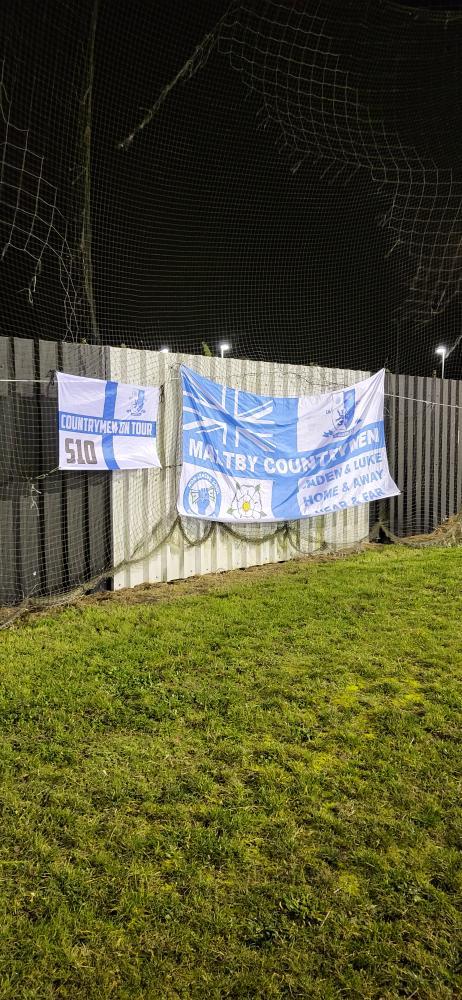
262,458
106,425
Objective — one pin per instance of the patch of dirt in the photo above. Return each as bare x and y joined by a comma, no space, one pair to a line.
446,535
161,593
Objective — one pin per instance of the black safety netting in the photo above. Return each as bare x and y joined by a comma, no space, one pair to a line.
283,176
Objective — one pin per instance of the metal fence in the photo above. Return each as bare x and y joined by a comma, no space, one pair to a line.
424,436
61,529
54,526
150,542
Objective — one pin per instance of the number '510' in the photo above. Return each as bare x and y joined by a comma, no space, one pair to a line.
80,452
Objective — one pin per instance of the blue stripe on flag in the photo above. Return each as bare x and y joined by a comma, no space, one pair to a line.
108,414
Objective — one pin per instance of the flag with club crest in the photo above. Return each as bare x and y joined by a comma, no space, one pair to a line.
254,459
106,425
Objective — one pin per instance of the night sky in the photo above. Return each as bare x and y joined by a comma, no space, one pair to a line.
201,231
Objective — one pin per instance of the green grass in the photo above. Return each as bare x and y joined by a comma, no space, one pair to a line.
251,793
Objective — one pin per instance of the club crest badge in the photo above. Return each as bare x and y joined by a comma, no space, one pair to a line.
202,496
342,414
136,404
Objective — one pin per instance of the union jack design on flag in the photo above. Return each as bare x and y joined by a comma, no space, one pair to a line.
237,416
256,458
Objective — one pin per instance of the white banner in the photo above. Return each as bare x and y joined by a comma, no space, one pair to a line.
255,458
106,425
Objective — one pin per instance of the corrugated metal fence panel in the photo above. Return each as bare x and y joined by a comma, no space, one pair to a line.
19,464
424,451
86,511
54,526
144,503
8,555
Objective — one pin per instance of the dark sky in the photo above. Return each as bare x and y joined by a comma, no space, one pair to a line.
200,229
440,5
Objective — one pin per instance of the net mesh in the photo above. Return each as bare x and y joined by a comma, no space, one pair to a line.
283,176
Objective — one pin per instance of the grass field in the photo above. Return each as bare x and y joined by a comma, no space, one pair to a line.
252,792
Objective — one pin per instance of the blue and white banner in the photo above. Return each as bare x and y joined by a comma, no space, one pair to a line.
254,458
106,425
